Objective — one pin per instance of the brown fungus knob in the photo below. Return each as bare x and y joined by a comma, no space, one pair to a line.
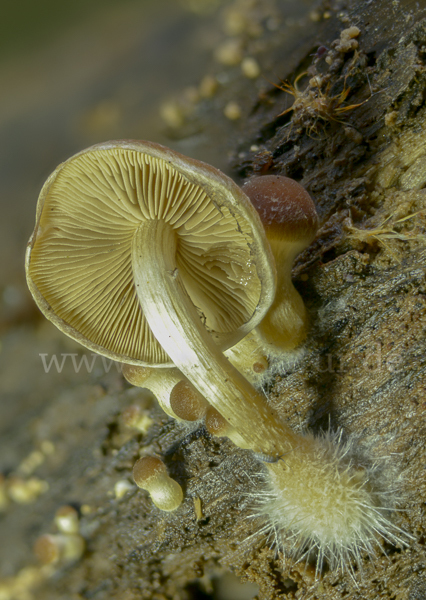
160,382
186,402
136,374
290,220
150,474
219,426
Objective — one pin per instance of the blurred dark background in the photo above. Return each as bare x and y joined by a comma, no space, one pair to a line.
76,73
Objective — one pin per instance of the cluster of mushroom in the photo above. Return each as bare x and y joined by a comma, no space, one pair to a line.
163,263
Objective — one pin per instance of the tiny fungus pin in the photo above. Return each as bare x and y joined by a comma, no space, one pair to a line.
150,474
25,491
122,487
134,416
53,549
290,221
67,519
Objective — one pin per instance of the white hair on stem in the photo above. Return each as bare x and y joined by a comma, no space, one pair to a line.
336,522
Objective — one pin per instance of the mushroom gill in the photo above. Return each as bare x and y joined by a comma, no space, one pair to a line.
81,261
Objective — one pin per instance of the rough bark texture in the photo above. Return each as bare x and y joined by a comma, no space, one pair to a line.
362,368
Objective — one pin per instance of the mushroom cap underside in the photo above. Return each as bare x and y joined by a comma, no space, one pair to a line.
79,261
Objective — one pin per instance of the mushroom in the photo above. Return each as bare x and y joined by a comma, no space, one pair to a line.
186,402
152,258
150,473
160,381
87,257
121,487
290,221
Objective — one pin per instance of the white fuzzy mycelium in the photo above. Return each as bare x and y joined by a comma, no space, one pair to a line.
323,503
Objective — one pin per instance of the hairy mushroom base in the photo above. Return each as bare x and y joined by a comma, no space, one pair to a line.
329,503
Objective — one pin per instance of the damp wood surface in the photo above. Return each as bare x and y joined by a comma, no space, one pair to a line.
361,369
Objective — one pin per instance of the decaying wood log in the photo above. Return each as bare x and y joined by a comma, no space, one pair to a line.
353,132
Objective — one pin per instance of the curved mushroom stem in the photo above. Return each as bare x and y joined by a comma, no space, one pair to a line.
177,326
285,323
249,356
159,381
313,489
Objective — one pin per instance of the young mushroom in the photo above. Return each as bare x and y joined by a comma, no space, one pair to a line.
154,259
290,221
160,381
67,519
219,426
150,473
186,402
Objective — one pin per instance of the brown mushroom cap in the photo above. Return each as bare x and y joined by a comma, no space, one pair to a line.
284,206
217,425
186,402
135,374
67,519
78,262
146,469
47,549
50,549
